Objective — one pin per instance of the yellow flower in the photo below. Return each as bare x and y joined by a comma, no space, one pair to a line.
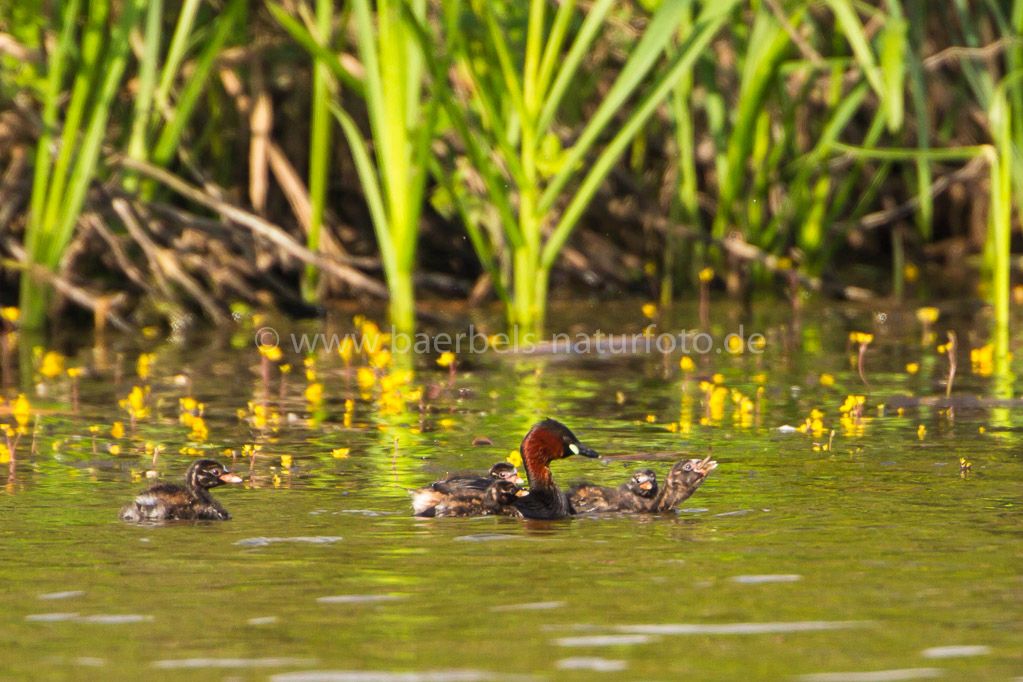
921,431
52,365
912,367
21,410
446,359
515,458
314,393
346,349
74,372
135,403
862,338
446,423
340,453
199,431
706,275
686,364
11,314
649,310
117,430
143,365
365,378
5,454
718,378
927,314
150,332
114,449
911,272
285,461
284,368
827,379
734,344
271,353
651,418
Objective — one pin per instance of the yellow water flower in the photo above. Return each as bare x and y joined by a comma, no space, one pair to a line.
446,359
346,349
10,314
314,393
21,410
912,367
686,364
734,344
74,372
199,430
718,378
271,353
651,418
5,454
340,453
982,360
285,461
921,431
114,449
827,379
515,458
911,272
706,275
927,315
52,364
446,422
144,364
365,377
649,310
862,338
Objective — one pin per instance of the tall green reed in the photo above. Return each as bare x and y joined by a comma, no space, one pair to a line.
517,86
401,121
68,150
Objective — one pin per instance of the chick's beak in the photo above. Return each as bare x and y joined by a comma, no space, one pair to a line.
228,477
646,485
706,466
521,492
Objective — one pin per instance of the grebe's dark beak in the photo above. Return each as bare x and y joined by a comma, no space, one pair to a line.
582,450
228,477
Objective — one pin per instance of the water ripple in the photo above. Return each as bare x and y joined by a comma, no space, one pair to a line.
358,598
310,539
604,640
761,579
740,628
193,663
956,651
875,675
385,676
594,663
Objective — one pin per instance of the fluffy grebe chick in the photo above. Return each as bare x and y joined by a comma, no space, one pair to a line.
682,481
634,495
425,499
192,501
497,500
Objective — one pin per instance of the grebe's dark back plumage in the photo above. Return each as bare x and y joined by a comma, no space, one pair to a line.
635,495
497,500
425,500
192,501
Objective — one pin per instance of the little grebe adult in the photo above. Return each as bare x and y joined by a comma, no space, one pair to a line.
497,500
425,499
547,441
682,481
636,494
192,501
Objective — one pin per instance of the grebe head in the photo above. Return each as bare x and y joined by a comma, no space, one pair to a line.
207,473
549,440
690,471
506,471
643,483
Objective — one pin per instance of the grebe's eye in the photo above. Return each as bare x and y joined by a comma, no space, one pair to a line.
688,467
574,448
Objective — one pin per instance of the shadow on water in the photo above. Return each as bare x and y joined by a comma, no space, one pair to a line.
879,539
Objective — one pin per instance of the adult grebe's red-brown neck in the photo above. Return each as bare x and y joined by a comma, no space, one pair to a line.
546,441
539,448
